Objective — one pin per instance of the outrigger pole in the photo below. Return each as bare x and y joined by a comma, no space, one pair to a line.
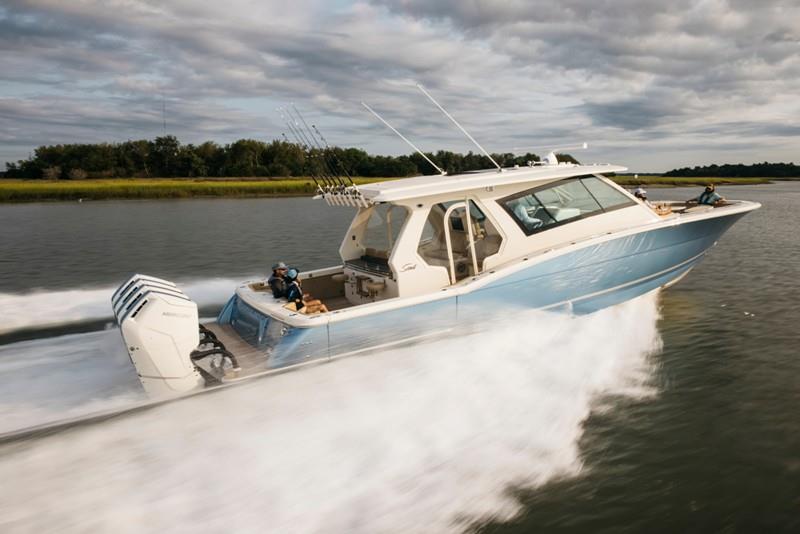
426,93
412,145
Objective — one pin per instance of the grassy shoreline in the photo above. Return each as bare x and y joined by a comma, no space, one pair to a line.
13,191
655,180
155,188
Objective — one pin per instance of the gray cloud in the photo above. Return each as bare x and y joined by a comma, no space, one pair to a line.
701,46
630,73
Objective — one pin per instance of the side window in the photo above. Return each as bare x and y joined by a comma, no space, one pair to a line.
607,196
383,228
558,203
432,242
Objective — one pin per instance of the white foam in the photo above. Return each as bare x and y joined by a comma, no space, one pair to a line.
51,308
52,379
420,439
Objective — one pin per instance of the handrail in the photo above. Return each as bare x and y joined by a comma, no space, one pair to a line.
471,238
448,241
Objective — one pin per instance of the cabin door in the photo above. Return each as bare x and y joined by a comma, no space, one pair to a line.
460,242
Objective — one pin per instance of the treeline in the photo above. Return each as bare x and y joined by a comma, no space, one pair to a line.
166,157
757,170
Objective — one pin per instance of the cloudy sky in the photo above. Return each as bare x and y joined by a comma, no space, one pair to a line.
649,84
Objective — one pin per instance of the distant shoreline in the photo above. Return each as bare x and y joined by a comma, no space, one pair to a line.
14,191
656,180
17,191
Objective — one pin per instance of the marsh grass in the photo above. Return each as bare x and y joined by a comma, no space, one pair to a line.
156,188
675,181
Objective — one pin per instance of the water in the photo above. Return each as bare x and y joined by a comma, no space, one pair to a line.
60,262
97,244
671,413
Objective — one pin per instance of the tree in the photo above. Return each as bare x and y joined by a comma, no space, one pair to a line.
77,174
52,173
566,158
164,155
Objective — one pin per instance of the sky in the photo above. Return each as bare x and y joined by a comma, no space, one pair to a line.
651,85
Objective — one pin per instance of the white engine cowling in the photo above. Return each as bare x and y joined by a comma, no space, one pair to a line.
159,324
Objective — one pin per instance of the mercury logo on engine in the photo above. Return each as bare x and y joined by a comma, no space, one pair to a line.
173,314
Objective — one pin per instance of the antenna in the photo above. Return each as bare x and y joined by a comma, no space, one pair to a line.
426,93
412,145
551,157
582,146
164,113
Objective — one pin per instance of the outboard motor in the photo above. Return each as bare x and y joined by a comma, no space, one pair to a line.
159,324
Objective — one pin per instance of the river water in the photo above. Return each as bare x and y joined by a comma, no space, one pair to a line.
676,412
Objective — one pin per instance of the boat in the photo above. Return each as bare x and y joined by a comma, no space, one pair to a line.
427,256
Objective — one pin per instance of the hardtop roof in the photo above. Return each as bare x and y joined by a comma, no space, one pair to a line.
424,186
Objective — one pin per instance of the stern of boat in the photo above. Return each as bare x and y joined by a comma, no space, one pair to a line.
172,352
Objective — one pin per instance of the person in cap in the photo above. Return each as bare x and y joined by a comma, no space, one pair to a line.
303,302
641,194
277,281
709,197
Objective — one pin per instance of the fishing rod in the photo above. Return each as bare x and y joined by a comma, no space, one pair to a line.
316,182
300,143
338,179
330,182
336,158
329,179
347,195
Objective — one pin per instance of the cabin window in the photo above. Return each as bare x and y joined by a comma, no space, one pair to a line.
433,244
561,202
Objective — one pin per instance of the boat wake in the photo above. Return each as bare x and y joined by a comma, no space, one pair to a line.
47,309
53,379
425,438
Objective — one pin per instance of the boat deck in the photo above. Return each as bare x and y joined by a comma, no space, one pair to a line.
250,359
337,303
